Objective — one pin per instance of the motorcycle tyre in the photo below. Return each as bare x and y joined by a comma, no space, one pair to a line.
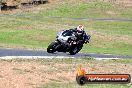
51,47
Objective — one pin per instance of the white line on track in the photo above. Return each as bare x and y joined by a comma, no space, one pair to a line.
46,57
33,57
106,58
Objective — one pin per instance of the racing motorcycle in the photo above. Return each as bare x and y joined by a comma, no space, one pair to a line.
66,41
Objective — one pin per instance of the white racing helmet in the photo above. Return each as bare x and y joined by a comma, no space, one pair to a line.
80,29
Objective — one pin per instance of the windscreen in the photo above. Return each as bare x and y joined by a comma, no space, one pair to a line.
67,33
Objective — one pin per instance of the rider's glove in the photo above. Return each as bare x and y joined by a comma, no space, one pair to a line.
86,41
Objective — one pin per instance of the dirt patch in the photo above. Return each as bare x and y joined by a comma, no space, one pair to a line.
111,13
35,8
42,7
125,3
54,3
31,74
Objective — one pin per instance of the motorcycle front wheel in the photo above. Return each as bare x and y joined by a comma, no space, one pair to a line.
52,47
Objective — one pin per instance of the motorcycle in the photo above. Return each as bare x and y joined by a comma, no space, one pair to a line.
66,41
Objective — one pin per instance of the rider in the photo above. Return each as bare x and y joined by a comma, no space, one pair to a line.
81,35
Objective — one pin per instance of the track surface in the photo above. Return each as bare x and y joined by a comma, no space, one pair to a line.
19,52
21,15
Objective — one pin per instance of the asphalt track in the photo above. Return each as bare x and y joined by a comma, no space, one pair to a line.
41,53
21,15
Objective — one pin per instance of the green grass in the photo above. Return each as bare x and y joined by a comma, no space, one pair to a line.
120,49
23,32
33,30
118,28
93,9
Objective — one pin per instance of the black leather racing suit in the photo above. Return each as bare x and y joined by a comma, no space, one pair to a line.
81,38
